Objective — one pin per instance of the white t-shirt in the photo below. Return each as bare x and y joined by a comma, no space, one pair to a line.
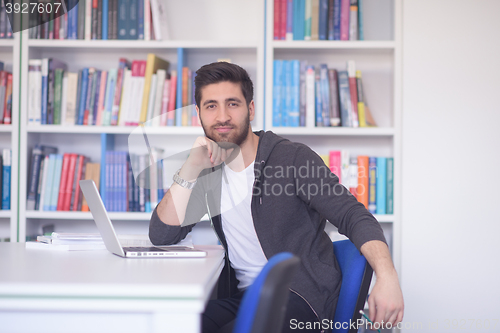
245,252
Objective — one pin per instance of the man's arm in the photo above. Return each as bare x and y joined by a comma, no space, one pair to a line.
386,299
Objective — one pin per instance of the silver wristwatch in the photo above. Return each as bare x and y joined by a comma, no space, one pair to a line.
182,182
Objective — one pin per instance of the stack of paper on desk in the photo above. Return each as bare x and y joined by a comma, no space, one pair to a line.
90,241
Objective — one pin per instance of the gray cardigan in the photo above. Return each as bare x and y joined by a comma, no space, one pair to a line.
294,195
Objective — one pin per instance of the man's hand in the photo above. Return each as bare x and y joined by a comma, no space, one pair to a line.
386,299
206,153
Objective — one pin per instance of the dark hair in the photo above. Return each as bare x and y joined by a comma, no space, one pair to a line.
221,72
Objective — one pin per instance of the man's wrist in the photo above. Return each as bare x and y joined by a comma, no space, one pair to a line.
189,172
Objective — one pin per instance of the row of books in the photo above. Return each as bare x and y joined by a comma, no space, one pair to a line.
102,19
318,20
54,181
5,96
370,179
304,95
5,26
5,178
138,92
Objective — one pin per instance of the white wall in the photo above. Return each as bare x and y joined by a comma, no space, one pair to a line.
451,164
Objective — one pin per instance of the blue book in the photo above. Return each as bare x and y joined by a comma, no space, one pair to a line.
277,92
95,104
344,99
48,183
298,19
109,97
73,21
302,93
105,11
6,174
107,144
140,19
56,181
123,13
294,111
372,184
132,20
325,94
130,184
109,203
178,100
381,184
361,33
287,95
319,101
323,19
83,95
389,205
336,19
289,20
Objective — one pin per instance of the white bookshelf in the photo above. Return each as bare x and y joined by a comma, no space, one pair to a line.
10,55
206,35
379,59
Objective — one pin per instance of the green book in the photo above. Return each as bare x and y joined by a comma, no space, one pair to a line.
390,186
58,95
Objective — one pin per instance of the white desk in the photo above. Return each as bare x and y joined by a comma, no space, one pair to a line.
96,291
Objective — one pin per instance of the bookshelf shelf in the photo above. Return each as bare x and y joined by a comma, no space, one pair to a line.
7,43
119,216
334,131
59,129
346,45
5,128
385,218
5,214
137,44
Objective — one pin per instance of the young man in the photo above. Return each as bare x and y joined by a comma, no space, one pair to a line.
264,195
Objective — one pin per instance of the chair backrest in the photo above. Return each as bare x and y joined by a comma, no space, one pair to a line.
356,278
263,306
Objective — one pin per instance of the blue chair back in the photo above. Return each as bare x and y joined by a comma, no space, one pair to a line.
356,278
263,307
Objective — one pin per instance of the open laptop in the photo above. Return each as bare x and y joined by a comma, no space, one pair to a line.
110,238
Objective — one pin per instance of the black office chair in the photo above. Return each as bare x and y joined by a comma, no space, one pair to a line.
263,307
356,278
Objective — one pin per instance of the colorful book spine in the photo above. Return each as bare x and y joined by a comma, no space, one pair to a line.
323,20
381,185
56,181
289,20
83,95
336,19
294,111
344,99
319,101
353,176
362,189
372,187
345,7
277,21
277,92
353,20
6,178
336,163
287,92
390,186
325,94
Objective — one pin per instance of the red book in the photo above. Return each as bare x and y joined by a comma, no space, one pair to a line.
57,26
165,102
336,163
7,113
3,83
171,100
69,183
345,12
277,21
283,19
362,190
80,171
64,180
353,89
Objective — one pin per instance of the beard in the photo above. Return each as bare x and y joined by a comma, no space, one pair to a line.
236,136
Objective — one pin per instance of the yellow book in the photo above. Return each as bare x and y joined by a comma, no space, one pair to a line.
365,117
153,63
326,159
